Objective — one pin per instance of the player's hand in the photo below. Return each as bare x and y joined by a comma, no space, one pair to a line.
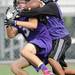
10,22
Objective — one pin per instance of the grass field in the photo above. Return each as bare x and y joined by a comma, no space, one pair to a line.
5,70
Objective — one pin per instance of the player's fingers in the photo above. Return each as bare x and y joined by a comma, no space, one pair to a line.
69,71
56,66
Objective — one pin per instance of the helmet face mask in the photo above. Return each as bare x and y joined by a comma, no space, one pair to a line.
19,5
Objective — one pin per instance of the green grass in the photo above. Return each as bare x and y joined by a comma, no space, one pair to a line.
5,70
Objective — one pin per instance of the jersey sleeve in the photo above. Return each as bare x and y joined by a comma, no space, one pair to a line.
50,8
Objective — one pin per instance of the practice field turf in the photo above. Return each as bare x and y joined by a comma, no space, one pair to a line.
5,70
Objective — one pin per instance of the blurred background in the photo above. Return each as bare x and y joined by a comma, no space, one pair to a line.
9,49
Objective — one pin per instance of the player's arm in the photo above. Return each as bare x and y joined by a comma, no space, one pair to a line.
30,24
11,31
50,8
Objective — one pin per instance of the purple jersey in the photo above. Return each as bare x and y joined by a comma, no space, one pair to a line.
39,37
56,27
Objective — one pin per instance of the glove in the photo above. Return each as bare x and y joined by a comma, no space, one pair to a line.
10,22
